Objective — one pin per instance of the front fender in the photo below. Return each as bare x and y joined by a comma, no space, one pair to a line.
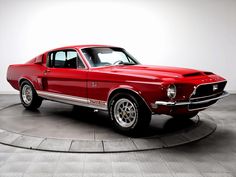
128,88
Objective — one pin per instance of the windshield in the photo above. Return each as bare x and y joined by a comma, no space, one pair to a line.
105,56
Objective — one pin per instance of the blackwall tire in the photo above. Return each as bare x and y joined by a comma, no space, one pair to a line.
128,114
28,96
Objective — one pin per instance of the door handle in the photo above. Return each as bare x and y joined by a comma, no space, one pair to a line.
47,71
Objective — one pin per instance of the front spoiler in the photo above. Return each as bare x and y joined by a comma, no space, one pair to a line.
175,103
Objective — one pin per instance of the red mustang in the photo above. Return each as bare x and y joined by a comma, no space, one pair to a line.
109,78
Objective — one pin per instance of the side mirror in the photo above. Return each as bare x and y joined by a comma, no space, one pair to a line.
39,59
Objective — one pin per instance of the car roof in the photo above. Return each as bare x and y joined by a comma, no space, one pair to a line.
81,46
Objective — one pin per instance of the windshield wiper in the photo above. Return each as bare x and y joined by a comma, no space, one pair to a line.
120,62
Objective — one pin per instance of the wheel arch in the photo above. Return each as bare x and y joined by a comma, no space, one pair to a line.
22,79
134,93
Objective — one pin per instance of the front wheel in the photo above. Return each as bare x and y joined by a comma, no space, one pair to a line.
29,98
128,114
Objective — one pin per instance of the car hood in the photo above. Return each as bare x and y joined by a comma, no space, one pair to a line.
153,72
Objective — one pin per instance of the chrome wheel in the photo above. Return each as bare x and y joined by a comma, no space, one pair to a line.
27,94
125,112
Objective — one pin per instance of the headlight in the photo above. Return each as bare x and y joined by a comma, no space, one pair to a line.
171,91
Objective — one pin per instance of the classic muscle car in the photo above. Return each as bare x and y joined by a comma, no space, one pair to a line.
109,78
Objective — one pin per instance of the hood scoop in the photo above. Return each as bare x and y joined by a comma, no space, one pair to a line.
193,74
208,73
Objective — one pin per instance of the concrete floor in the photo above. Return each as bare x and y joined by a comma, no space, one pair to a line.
213,156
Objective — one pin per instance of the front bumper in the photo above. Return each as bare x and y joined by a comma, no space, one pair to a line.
192,102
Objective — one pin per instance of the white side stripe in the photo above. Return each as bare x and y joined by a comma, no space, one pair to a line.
74,100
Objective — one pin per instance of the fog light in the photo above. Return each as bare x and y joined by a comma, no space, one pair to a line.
171,91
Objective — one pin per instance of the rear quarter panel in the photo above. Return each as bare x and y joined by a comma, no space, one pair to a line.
24,71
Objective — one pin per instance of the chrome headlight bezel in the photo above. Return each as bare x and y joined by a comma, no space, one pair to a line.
171,91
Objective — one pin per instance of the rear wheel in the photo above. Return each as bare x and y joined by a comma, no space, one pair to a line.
128,114
29,98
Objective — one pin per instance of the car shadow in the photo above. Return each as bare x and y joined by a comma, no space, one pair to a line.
100,121
159,125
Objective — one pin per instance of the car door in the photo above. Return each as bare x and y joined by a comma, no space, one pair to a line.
65,75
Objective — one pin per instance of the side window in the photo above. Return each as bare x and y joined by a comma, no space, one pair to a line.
71,59
64,59
60,59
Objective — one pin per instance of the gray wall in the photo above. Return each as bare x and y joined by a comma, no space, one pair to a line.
187,33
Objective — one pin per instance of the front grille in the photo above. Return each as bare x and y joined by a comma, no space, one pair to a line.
207,89
205,97
206,92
